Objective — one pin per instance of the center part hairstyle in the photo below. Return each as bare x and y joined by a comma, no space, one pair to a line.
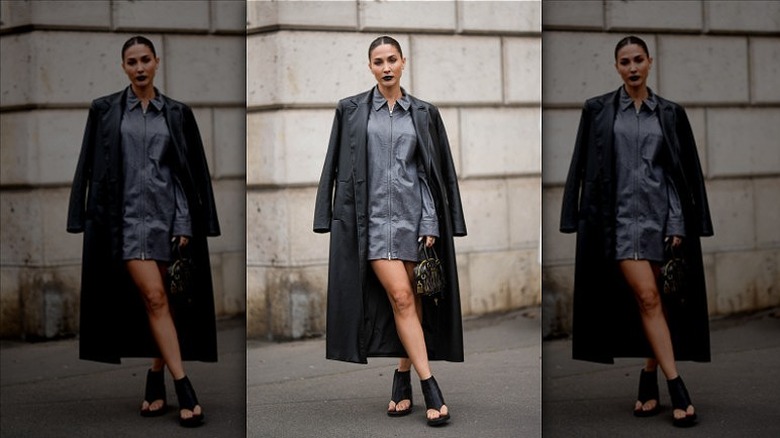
631,39
138,39
384,39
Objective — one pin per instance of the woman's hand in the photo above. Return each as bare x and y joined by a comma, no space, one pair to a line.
676,241
429,241
183,241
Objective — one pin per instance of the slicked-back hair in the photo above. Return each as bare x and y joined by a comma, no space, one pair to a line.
138,39
384,39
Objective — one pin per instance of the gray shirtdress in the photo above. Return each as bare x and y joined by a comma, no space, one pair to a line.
400,204
154,208
647,203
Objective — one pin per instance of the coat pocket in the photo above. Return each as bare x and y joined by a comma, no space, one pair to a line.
344,199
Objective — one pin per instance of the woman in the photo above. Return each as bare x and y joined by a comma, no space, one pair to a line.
635,182
390,166
141,181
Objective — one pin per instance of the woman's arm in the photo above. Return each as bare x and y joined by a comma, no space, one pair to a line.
429,222
675,222
182,225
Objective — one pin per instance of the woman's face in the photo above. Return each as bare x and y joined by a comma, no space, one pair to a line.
387,65
140,65
633,64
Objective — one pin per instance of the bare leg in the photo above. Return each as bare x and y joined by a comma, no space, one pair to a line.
157,364
148,277
405,364
395,277
642,279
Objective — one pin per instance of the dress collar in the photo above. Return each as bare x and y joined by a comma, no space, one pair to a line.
133,101
379,101
626,101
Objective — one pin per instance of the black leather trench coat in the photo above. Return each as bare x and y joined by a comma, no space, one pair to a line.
359,317
113,321
606,321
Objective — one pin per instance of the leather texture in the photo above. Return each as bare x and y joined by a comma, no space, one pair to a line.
113,321
606,320
359,317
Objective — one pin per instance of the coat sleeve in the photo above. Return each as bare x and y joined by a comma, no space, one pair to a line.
450,177
694,177
78,191
323,206
571,191
199,171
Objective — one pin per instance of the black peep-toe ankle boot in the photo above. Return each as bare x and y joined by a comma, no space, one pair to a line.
187,400
155,390
681,400
433,400
402,390
648,390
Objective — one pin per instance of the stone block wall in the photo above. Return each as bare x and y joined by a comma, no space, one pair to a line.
57,57
721,61
477,61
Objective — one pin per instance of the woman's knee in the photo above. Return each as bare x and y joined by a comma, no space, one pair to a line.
648,298
403,299
155,299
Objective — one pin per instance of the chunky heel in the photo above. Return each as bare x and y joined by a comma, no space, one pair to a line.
402,390
648,390
155,390
187,400
433,400
681,400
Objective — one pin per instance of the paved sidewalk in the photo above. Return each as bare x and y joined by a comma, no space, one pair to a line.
46,391
293,391
736,395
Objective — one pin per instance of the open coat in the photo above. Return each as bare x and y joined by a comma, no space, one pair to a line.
359,317
113,322
606,321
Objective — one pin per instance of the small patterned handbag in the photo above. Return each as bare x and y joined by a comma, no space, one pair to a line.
673,272
181,270
428,273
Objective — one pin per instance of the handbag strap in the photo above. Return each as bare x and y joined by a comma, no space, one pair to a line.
177,251
674,252
424,249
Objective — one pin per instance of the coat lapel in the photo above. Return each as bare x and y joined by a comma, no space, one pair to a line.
357,121
605,120
111,135
666,118
174,121
420,119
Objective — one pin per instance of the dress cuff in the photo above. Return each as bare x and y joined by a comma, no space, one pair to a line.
182,228
429,228
675,228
